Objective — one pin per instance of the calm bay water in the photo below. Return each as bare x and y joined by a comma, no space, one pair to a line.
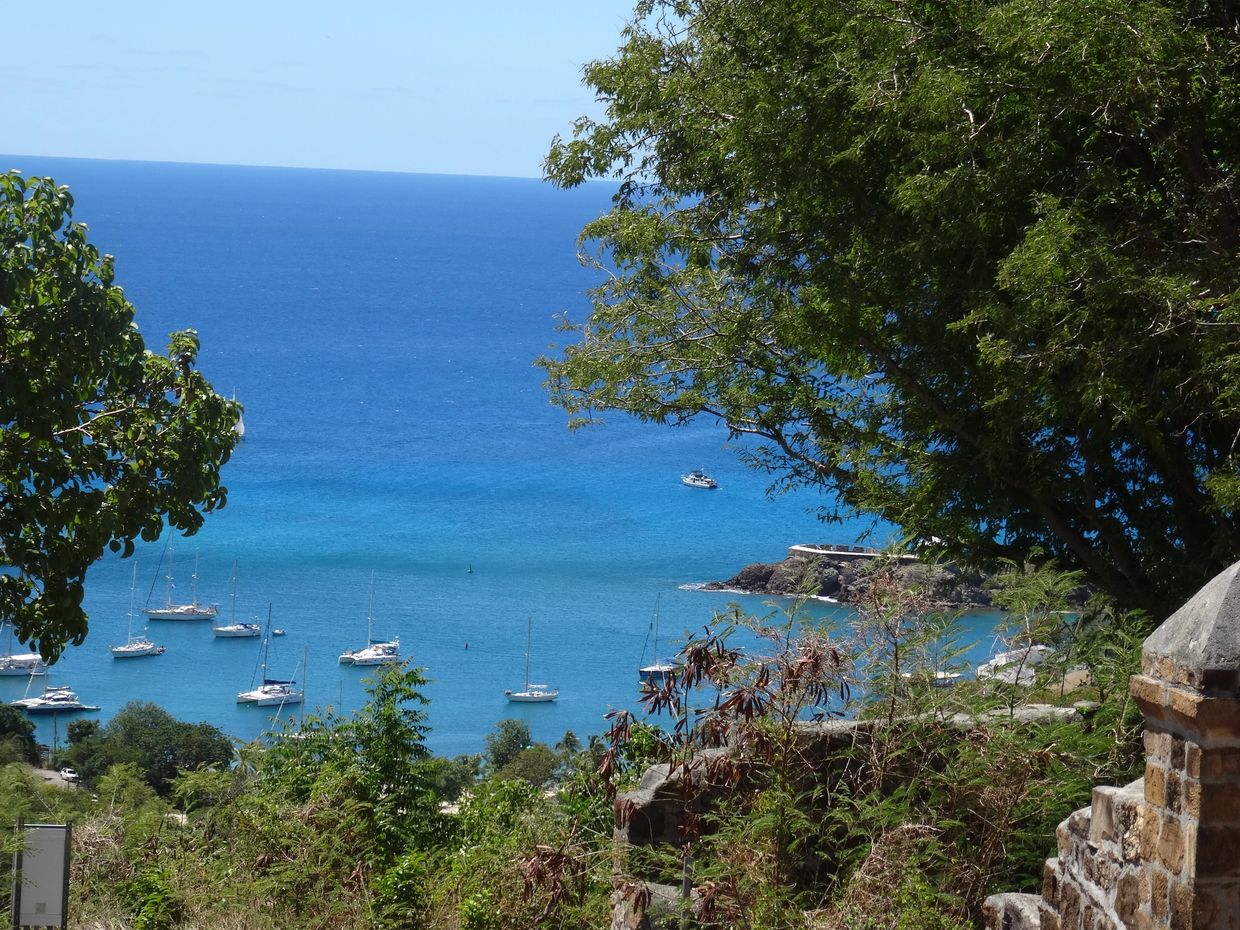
381,330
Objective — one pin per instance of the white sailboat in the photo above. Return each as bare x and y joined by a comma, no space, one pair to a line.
656,672
273,691
191,611
239,429
142,646
531,693
376,651
55,699
21,663
234,629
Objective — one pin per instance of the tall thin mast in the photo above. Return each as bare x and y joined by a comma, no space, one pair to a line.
529,633
168,578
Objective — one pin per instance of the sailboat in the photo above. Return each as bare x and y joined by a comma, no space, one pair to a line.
273,691
376,651
22,663
233,628
142,646
239,429
656,672
191,611
531,694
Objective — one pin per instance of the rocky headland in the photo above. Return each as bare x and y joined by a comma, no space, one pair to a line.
842,573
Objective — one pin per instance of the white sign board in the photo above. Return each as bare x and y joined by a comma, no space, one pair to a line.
41,876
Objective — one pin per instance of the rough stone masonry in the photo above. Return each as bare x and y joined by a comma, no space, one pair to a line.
1164,852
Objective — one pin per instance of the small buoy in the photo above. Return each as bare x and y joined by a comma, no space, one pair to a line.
467,645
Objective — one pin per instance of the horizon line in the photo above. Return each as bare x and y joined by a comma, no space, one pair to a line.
219,164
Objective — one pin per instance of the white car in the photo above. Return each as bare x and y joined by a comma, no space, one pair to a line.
69,775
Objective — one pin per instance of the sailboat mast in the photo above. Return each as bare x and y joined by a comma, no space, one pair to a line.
133,586
194,582
168,579
233,619
529,633
370,612
658,597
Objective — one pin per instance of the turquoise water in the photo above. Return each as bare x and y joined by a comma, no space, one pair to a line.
381,330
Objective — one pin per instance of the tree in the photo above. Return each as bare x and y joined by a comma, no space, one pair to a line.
17,743
101,441
968,266
506,742
149,738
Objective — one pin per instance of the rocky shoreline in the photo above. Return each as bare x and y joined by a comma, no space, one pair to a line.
844,578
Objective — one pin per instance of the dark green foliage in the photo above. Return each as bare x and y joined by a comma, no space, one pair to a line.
155,906
450,777
536,764
970,266
17,743
504,743
377,759
147,736
101,441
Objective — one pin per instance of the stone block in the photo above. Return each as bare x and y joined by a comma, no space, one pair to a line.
1181,908
1171,845
1218,851
1211,716
1173,794
1191,802
1150,694
1128,897
1157,745
1155,784
1048,916
1012,912
1148,839
1159,890
1050,880
1192,760
1069,905
1220,764
1220,803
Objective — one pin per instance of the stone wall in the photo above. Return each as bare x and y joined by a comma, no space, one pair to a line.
1164,852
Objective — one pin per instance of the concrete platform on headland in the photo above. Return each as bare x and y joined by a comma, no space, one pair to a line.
841,553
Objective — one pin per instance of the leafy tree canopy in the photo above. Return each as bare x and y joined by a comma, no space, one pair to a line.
17,742
970,266
101,441
149,738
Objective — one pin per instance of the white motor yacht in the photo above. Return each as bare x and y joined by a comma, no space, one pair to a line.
699,479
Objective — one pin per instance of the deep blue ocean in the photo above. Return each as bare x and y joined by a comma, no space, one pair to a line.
381,331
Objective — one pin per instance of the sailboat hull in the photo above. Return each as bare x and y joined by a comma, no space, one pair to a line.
182,612
532,696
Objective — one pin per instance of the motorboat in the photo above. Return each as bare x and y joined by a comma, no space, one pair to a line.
376,651
699,479
142,646
1016,666
233,629
55,699
531,693
191,611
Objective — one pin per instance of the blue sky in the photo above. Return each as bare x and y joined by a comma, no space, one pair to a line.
451,87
